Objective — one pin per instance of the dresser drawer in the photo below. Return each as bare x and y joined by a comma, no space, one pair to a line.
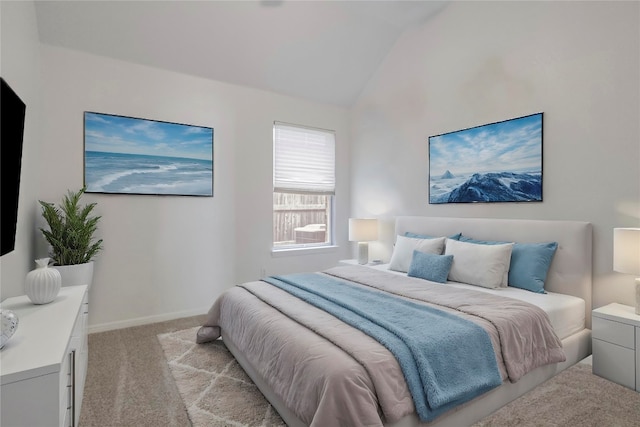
615,363
638,360
37,372
613,332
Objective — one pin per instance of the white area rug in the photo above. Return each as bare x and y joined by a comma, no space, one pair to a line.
213,386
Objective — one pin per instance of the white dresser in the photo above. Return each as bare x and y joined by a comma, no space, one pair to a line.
43,366
616,344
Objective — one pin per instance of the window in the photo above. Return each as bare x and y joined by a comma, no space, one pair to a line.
303,186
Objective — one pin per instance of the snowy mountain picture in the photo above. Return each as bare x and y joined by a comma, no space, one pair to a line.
498,162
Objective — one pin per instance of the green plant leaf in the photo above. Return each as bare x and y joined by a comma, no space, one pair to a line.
71,229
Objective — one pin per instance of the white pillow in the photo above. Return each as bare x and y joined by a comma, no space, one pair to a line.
403,251
480,265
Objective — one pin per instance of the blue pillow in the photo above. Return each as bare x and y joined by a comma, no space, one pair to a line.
424,236
481,242
430,266
530,263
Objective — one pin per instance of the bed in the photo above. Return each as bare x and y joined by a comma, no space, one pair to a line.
315,373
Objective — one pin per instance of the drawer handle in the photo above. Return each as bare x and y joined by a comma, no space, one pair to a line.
72,387
73,390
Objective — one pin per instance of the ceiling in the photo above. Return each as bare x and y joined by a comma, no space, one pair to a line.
324,51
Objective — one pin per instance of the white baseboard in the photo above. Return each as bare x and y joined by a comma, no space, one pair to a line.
109,326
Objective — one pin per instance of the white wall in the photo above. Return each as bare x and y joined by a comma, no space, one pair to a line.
254,184
20,67
482,62
171,256
474,63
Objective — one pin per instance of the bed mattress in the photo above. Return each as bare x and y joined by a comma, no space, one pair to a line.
566,312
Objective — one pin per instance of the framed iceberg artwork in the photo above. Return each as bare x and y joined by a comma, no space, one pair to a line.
127,155
497,162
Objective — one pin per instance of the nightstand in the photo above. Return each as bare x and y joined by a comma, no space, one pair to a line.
616,344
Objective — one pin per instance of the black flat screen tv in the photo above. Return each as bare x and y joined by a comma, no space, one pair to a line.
12,112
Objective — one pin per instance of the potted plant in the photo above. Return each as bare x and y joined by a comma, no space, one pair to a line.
70,235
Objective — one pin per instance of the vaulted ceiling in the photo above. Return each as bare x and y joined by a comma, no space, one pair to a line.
324,51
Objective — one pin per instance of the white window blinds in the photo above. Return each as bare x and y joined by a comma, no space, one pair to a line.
303,160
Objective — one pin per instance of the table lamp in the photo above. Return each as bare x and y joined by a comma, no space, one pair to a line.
363,231
626,255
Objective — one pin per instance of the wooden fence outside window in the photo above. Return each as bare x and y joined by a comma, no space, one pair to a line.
299,218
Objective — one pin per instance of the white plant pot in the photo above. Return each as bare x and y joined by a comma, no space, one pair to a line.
78,274
42,284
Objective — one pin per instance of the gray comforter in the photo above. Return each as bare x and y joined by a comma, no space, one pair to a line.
331,374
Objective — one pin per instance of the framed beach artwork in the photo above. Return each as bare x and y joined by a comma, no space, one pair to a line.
497,162
128,155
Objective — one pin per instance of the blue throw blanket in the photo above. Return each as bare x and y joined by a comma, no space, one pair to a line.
446,360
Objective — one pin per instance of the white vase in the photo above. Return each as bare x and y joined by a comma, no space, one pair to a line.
9,323
77,274
42,284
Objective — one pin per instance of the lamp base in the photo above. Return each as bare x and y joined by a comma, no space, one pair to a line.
638,295
363,253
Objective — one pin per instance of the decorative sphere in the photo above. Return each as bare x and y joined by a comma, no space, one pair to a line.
9,325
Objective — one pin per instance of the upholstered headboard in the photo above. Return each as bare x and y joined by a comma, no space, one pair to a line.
570,271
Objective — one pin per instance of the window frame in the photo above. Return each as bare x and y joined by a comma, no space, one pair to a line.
302,248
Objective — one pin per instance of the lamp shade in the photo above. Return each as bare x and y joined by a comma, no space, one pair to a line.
626,250
363,230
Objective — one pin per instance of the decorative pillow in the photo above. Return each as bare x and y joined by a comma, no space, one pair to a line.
530,263
424,236
480,265
505,279
430,266
404,247
481,242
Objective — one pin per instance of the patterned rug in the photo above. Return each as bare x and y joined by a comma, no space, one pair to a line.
213,386
217,392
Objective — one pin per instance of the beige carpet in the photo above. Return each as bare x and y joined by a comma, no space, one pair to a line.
214,388
217,392
128,381
574,397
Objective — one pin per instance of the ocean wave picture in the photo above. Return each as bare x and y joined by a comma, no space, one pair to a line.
128,155
498,162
